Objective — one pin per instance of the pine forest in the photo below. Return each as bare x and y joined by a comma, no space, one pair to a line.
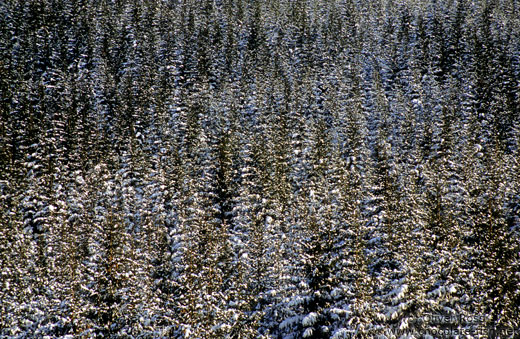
260,169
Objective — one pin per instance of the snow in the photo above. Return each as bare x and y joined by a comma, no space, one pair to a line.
342,333
310,319
295,301
289,322
308,332
150,192
80,180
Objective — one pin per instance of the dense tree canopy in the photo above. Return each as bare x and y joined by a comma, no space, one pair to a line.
270,169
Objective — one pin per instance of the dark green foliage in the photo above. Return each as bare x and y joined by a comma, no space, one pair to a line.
270,169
